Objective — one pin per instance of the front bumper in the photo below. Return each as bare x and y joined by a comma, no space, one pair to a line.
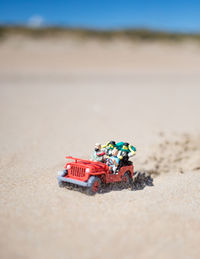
73,181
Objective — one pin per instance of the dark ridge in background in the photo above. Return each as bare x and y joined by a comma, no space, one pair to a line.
130,34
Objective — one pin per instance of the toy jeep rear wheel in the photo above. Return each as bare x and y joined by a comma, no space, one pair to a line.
126,180
94,185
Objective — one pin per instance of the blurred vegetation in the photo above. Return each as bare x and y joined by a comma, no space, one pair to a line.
130,34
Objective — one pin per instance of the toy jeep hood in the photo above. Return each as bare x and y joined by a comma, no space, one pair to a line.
97,166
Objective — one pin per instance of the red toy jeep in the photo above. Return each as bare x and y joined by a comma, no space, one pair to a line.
92,174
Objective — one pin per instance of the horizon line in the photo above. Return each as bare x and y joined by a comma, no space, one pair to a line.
98,29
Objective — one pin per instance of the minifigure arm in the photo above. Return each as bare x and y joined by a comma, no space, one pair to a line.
101,154
116,162
103,146
132,150
120,155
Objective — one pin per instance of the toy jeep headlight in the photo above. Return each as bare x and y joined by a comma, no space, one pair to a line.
87,170
62,173
68,167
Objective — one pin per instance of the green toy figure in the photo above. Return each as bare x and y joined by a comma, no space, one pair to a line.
126,147
125,151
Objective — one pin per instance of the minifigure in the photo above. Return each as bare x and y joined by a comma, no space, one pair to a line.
115,161
108,147
98,154
125,152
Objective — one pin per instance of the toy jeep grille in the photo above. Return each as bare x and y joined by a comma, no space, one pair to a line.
77,171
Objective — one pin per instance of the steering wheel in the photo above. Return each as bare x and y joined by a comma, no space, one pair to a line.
109,161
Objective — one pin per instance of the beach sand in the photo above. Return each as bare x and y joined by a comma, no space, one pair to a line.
59,97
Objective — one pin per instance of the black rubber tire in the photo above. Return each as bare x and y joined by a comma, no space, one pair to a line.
95,185
61,184
139,180
126,180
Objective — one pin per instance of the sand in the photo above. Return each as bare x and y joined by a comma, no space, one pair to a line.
59,97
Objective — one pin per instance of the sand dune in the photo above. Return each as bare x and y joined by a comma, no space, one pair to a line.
59,98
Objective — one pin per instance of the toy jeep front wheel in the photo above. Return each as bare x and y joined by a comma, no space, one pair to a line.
126,180
61,184
94,185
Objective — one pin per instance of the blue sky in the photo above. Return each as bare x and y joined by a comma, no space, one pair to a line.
172,15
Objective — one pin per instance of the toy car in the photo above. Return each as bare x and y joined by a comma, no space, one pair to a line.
92,175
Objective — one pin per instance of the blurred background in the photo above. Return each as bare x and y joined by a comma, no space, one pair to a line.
73,73
174,16
90,63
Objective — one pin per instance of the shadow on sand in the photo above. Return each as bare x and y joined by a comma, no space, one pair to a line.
140,181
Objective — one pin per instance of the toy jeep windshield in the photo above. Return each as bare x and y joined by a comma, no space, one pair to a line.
92,174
